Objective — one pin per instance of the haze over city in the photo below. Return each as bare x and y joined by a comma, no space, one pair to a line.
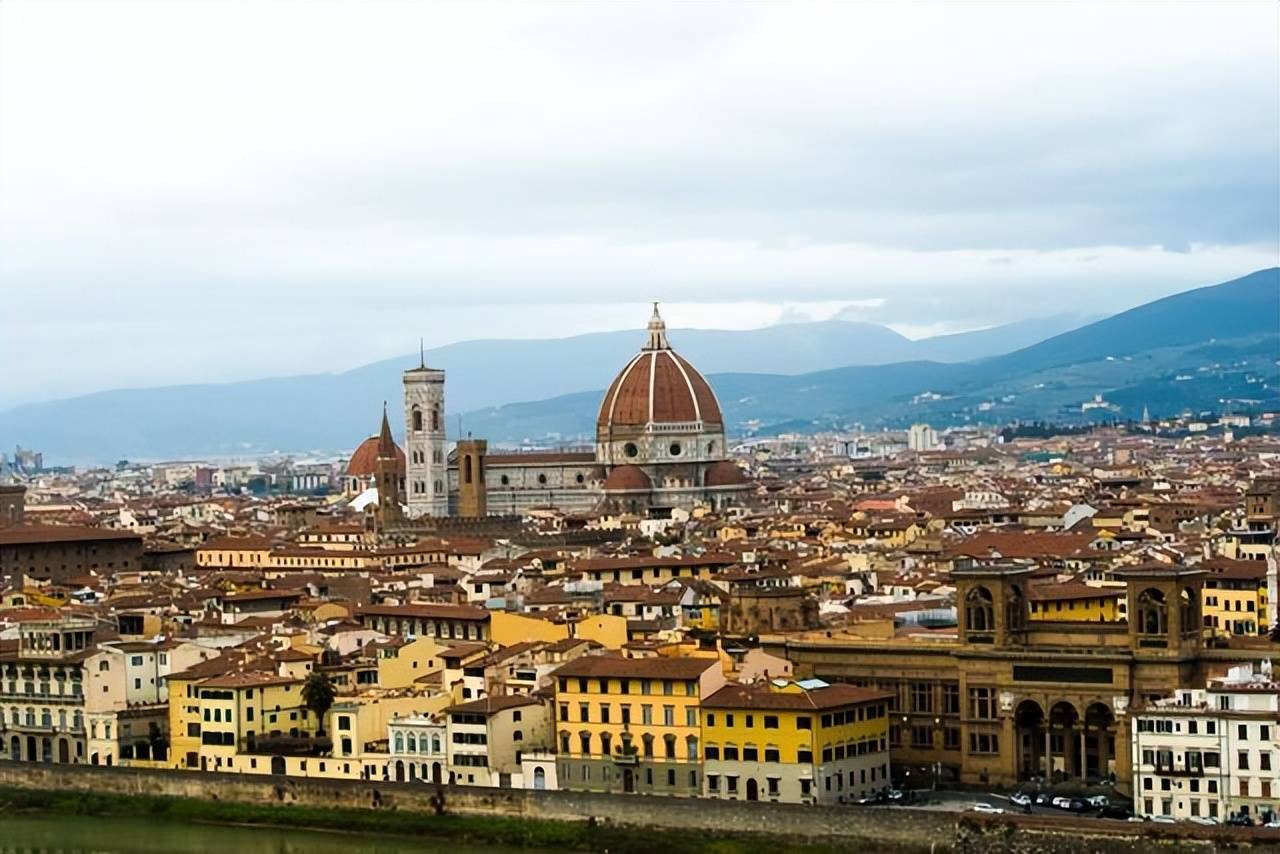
706,428
208,192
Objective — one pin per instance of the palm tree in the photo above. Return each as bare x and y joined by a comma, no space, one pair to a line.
318,693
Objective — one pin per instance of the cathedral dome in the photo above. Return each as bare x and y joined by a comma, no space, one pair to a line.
627,479
658,387
363,462
725,473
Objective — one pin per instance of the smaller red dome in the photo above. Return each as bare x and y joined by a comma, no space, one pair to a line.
725,473
627,479
364,461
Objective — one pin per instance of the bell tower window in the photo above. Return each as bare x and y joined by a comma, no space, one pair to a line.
979,611
1153,616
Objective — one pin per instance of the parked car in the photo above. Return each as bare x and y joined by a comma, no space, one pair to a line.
1203,819
986,809
1098,801
895,795
1273,824
1061,803
1116,811
1020,799
1162,819
1044,799
1240,821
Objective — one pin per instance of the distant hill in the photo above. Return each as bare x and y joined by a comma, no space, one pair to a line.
331,412
1239,308
1210,348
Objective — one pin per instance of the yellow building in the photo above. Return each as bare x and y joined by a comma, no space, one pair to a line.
400,665
239,711
216,720
234,552
632,724
1074,602
1235,596
508,629
650,570
795,742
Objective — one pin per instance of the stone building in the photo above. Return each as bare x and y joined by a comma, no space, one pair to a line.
1008,698
58,552
12,504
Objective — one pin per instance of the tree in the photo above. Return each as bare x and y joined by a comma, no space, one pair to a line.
318,693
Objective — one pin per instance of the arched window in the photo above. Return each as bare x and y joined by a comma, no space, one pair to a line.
669,742
1190,612
1153,616
435,744
466,469
417,418
691,746
399,748
413,743
1015,609
585,738
606,746
979,610
435,417
564,742
518,735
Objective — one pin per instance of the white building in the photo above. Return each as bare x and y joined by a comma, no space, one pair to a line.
426,487
922,437
417,749
1210,753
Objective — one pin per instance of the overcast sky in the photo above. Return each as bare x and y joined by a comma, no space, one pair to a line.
211,191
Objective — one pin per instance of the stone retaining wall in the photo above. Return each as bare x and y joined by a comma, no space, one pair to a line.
865,828
891,826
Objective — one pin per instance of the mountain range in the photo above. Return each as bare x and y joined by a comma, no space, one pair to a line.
331,412
1193,349
1212,348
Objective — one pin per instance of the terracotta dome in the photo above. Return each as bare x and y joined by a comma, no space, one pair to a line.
658,387
364,460
627,479
725,473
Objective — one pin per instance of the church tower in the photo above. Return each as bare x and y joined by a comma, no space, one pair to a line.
427,484
387,476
